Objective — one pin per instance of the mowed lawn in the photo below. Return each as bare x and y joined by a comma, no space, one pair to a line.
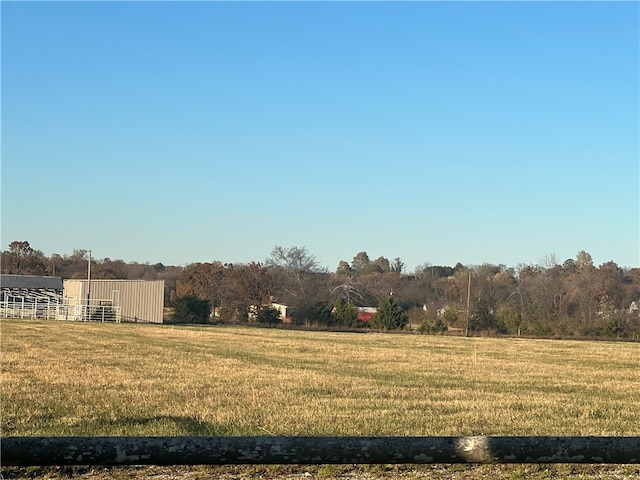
63,378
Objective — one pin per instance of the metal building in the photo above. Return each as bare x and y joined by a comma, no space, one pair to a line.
30,296
119,300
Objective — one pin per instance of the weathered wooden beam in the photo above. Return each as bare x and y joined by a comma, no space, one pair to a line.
41,451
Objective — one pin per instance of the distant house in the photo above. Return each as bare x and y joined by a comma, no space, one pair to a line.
286,311
365,314
634,308
437,308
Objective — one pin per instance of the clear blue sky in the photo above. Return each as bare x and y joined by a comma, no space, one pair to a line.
437,132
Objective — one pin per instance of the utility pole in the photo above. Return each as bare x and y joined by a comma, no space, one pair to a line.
89,288
466,332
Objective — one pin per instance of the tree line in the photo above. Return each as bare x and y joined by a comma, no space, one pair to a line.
574,298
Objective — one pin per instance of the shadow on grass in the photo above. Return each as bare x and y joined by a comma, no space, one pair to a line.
155,425
184,425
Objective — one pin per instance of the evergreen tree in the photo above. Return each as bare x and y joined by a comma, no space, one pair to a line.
390,315
269,315
345,313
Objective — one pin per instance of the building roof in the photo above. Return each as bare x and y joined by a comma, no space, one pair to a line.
30,281
368,309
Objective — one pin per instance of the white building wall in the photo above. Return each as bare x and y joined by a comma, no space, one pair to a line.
139,300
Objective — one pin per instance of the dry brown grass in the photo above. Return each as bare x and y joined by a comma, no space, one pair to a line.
123,379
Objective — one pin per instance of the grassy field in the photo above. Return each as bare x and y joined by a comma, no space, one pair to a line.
125,379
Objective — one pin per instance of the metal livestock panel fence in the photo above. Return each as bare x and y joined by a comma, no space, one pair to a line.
45,309
22,309
43,451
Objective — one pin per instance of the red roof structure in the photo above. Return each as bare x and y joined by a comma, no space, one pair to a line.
365,314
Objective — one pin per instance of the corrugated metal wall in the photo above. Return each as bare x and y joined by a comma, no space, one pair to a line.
72,289
139,299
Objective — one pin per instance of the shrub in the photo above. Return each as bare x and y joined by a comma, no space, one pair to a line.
190,309
268,315
433,326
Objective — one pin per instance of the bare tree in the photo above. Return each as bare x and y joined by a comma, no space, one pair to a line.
298,267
